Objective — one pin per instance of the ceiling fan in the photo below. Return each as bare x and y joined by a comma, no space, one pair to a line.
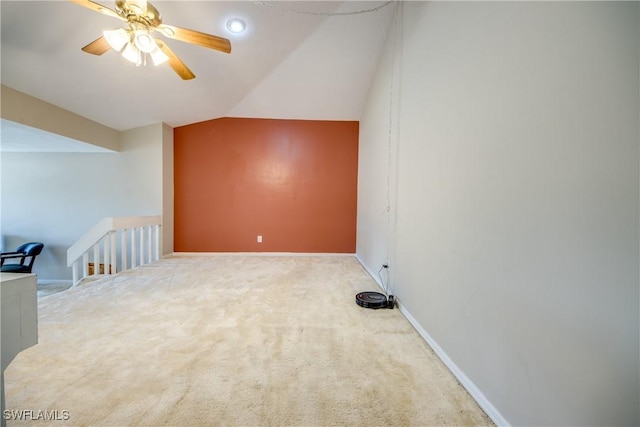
136,42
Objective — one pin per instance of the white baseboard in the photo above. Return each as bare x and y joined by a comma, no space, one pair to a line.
262,254
471,388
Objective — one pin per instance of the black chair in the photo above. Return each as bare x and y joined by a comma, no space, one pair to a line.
25,253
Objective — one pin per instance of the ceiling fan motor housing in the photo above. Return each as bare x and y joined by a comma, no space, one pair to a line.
139,11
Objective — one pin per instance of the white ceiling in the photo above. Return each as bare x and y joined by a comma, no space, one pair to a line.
294,61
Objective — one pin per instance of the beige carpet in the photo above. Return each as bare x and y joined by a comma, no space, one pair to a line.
233,341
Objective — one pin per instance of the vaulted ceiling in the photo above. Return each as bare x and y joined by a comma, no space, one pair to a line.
296,60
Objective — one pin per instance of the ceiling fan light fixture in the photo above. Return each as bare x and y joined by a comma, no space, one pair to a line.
132,54
135,43
158,57
144,41
117,39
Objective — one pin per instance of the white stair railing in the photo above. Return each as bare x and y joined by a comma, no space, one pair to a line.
134,240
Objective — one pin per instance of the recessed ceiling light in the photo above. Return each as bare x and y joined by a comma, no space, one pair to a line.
236,25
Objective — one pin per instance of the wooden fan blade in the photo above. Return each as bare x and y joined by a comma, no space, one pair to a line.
195,37
178,66
98,8
97,47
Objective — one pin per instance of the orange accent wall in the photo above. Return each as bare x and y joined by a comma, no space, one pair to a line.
294,182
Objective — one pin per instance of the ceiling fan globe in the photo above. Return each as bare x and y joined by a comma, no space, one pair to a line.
144,41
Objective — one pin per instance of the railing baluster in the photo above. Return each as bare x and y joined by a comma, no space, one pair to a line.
74,273
85,264
142,245
114,262
107,253
123,248
96,258
156,251
149,244
134,248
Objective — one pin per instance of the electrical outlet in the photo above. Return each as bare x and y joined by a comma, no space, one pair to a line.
259,239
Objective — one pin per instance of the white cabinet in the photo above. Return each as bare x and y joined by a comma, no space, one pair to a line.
19,318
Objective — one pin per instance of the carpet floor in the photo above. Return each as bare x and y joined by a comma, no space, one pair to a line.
232,341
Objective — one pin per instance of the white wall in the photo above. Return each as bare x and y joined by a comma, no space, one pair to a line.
56,197
515,218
